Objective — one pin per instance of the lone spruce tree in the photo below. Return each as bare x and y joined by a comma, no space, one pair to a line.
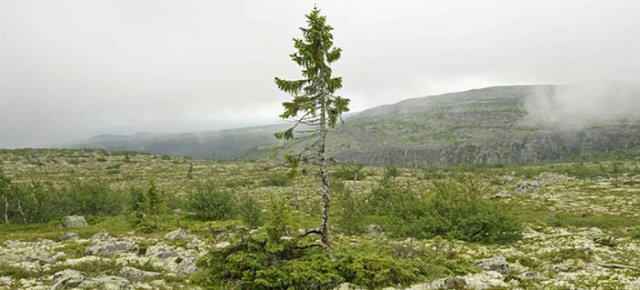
315,107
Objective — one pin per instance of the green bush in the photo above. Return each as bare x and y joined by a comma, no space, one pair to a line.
276,180
39,202
349,208
454,212
350,171
93,198
209,202
249,211
461,213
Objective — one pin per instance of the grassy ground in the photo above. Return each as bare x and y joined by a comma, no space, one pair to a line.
549,198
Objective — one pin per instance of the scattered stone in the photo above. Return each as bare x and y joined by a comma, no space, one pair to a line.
528,186
192,245
101,235
67,279
223,244
75,221
178,234
69,236
561,232
134,274
595,230
161,251
606,241
449,283
503,194
497,264
187,266
563,268
485,280
6,281
106,283
110,247
374,229
529,276
509,180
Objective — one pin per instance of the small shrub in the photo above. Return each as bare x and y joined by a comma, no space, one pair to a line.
276,180
454,212
249,211
350,171
208,202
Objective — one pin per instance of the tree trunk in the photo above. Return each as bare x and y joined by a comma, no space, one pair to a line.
324,228
6,210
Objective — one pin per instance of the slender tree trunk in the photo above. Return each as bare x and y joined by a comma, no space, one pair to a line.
6,210
24,219
324,228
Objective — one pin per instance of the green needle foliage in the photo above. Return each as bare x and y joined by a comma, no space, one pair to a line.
315,105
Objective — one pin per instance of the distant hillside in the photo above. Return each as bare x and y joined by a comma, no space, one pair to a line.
490,125
215,145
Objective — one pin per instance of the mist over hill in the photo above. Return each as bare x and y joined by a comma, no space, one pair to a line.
509,124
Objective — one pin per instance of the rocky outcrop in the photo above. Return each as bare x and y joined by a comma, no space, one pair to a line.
75,221
69,236
498,264
67,279
134,274
110,247
106,283
178,234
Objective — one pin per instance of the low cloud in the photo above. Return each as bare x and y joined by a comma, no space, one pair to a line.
577,106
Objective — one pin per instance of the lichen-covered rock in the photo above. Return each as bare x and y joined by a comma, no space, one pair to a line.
187,266
178,234
161,251
101,235
5,281
74,221
110,247
374,230
69,236
485,280
498,264
529,276
67,279
106,283
134,274
563,267
449,283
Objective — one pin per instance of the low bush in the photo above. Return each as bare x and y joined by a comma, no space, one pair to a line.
249,211
350,171
276,180
209,202
453,212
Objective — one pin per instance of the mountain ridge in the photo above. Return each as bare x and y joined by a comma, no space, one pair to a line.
486,125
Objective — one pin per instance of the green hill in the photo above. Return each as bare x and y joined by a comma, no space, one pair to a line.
490,125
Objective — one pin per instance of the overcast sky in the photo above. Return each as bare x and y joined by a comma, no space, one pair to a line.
73,69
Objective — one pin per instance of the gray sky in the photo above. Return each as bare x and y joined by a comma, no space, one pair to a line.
73,69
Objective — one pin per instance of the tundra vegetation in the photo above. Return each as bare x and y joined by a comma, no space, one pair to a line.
570,223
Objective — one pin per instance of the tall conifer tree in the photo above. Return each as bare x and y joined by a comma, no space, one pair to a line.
315,107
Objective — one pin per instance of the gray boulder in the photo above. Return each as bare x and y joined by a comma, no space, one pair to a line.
497,264
178,234
101,235
134,274
74,221
110,247
187,266
449,283
161,251
67,279
106,283
69,236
